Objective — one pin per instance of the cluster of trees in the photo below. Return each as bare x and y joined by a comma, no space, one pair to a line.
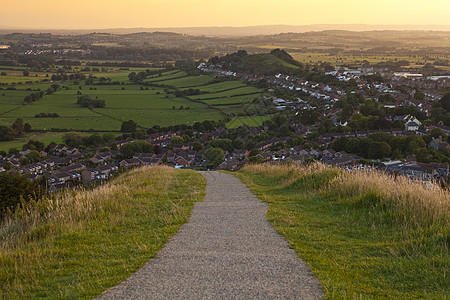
138,77
214,156
188,92
102,81
87,101
33,157
139,146
147,54
34,145
74,139
128,126
381,145
40,94
17,129
66,77
36,62
440,112
34,97
277,61
15,190
46,115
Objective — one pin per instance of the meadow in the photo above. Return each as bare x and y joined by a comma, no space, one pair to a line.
358,60
78,244
365,235
146,105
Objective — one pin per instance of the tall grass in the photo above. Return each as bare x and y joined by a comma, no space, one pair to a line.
95,238
417,203
365,234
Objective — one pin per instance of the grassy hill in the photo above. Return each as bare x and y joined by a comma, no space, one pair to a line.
364,235
275,62
79,244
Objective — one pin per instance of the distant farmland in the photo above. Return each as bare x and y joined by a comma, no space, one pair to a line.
146,105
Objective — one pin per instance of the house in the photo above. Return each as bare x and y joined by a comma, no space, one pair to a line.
231,165
88,175
411,123
183,162
128,163
60,177
106,171
328,153
437,144
314,153
240,154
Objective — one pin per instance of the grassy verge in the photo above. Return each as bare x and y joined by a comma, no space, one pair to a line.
80,244
364,235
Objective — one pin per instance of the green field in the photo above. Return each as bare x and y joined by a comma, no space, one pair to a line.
249,121
356,60
44,137
146,105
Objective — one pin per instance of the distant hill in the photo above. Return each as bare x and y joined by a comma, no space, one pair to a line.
231,31
264,64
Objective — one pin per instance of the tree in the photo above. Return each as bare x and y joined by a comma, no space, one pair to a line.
379,150
6,133
445,102
224,144
423,155
139,146
128,126
73,139
18,127
176,140
15,188
34,156
419,95
214,157
92,140
108,137
27,127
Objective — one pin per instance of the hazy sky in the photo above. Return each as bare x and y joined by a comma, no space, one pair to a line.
82,14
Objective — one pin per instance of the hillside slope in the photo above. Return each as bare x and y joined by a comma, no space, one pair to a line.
365,235
275,62
79,244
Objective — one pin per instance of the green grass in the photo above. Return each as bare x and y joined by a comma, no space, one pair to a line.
230,93
359,244
252,121
93,240
354,60
189,81
217,87
125,102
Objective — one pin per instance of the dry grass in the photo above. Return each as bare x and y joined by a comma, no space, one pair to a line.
417,203
365,235
70,208
77,244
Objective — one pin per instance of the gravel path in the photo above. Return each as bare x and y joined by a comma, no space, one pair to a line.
227,250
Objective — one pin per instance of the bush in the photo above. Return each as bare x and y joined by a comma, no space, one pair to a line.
16,188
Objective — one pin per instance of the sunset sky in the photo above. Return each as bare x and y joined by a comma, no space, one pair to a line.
84,14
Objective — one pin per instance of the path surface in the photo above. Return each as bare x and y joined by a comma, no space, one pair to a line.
227,250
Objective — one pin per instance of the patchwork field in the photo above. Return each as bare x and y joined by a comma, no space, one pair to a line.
146,105
358,60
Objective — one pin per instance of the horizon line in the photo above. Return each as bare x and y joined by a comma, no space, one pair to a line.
8,27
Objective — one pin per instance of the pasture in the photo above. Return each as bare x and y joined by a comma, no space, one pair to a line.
358,60
146,105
